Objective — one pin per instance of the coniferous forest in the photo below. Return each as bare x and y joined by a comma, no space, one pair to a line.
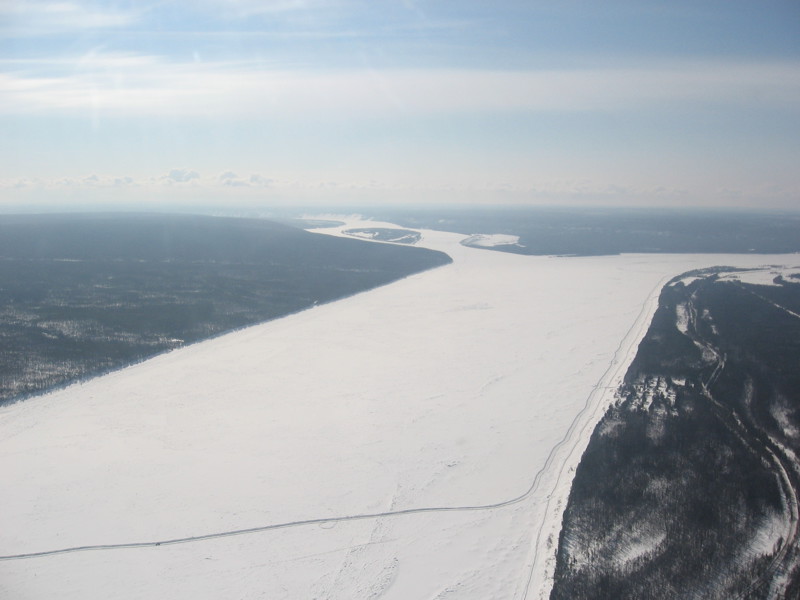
688,488
82,294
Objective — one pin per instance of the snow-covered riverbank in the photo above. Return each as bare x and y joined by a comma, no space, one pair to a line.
451,389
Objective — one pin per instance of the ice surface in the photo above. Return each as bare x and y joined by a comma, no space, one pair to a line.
461,387
490,240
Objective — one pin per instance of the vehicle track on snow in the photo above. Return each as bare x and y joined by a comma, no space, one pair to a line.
616,365
289,524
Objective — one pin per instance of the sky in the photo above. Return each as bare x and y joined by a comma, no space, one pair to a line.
245,102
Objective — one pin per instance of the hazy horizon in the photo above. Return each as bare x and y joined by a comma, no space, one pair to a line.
330,102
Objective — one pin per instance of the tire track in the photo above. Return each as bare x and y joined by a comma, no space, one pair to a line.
290,524
615,366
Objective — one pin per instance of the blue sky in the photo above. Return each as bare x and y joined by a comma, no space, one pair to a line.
246,102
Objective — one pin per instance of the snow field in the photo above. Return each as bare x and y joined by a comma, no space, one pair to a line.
451,388
764,276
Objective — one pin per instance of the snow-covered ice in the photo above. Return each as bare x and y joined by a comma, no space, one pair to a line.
490,240
459,388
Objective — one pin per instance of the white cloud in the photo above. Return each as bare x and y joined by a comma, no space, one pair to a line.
260,180
181,175
21,18
246,8
186,185
143,85
231,179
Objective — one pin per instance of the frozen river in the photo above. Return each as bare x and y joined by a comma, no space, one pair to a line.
454,403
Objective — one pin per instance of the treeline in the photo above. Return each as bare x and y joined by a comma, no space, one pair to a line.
85,294
677,495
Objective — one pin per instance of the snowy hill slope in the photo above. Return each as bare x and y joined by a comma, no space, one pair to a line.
470,390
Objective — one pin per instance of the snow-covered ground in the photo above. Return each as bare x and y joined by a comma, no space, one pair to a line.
470,390
765,276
